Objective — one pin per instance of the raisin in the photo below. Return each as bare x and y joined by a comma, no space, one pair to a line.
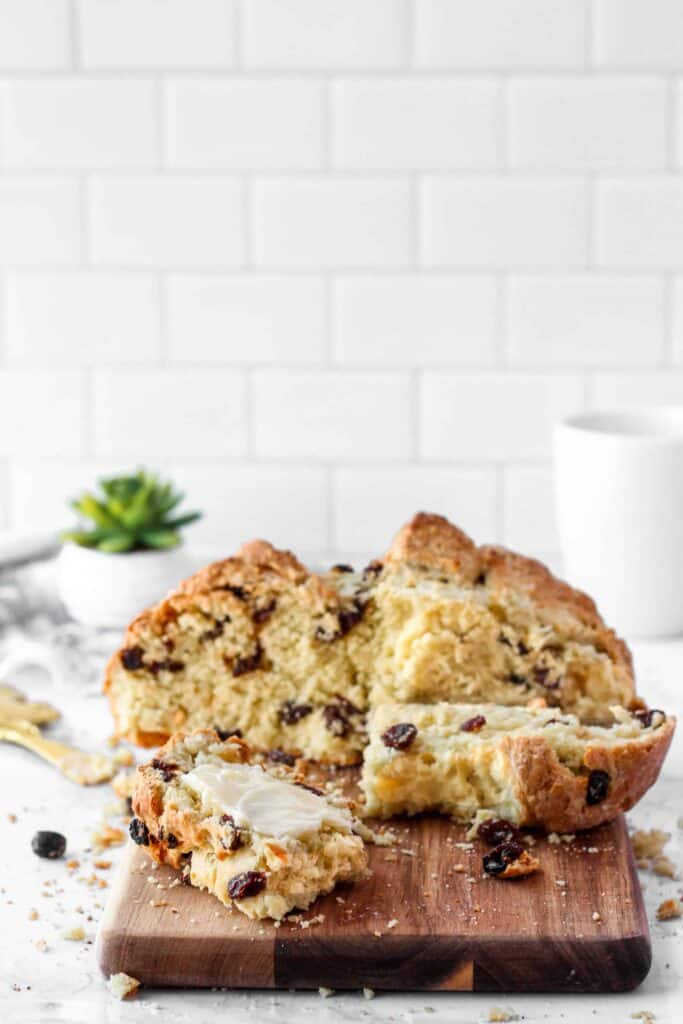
131,658
235,834
239,592
645,717
129,804
598,786
480,580
500,856
216,631
167,665
139,832
336,720
347,705
473,724
171,841
373,568
348,617
311,789
498,830
516,679
249,663
278,756
262,615
249,883
291,712
522,648
399,736
502,639
50,845
342,567
167,769
225,734
541,677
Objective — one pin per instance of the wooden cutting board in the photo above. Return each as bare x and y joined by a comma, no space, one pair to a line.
427,918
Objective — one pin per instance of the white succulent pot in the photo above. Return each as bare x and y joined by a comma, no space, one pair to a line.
100,589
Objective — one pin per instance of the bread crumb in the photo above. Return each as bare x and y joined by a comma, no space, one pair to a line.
392,923
107,836
72,865
596,916
124,757
33,914
669,909
649,844
646,1015
75,934
12,818
368,993
102,865
665,867
123,986
163,903
501,1013
325,992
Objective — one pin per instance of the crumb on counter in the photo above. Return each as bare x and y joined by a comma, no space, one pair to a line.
325,993
123,986
501,1013
368,993
74,934
106,836
669,909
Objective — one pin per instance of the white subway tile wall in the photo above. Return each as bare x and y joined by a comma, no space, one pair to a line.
331,261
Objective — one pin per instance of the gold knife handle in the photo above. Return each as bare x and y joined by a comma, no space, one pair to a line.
79,766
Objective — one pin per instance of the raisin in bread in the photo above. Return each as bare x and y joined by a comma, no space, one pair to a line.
293,660
535,767
255,836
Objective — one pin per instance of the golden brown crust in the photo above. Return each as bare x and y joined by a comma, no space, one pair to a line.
555,797
431,541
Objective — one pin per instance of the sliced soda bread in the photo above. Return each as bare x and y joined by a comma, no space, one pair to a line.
259,839
258,645
534,767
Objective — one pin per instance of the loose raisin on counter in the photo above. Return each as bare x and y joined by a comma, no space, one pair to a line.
50,845
131,658
139,832
249,883
598,786
291,712
473,724
498,830
278,756
498,859
399,736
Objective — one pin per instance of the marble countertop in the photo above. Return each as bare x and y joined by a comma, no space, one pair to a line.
45,977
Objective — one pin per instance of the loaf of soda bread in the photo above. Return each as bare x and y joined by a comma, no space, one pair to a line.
249,831
259,646
529,766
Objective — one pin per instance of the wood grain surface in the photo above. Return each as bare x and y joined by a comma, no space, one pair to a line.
427,918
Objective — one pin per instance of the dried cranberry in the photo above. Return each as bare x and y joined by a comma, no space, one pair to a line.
249,883
291,712
517,680
249,663
50,845
598,786
645,717
225,734
399,736
473,724
139,832
167,769
500,856
278,756
131,658
498,830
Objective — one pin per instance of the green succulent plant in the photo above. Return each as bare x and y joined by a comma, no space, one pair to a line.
131,513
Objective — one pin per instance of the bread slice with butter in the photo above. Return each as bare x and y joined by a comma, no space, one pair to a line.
252,833
532,767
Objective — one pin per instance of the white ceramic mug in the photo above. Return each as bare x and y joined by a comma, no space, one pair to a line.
619,498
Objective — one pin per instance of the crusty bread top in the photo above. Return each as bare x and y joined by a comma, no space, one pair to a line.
431,542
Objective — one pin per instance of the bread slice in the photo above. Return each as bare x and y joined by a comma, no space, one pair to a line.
534,767
293,660
254,837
